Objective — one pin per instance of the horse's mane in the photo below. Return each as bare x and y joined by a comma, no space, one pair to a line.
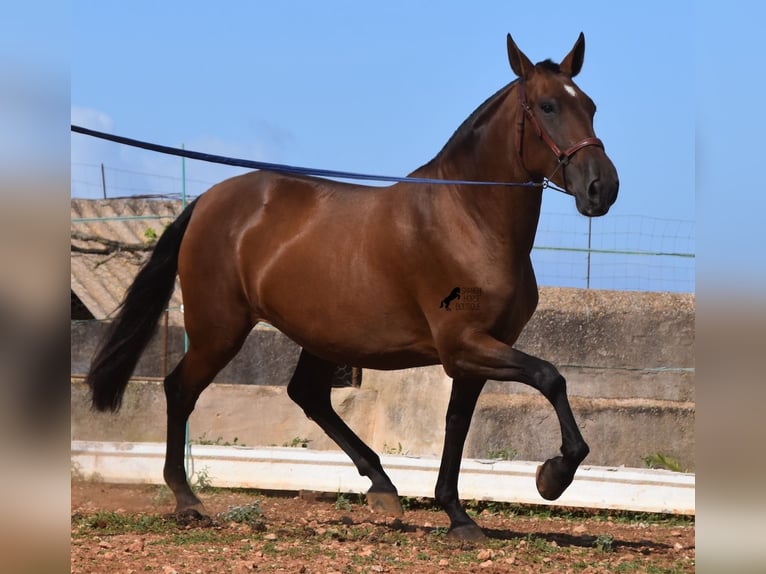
478,116
486,110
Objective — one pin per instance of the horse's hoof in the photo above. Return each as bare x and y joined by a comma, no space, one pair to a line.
467,533
192,517
553,477
385,503
194,511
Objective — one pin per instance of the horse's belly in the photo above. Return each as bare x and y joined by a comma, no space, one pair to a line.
353,329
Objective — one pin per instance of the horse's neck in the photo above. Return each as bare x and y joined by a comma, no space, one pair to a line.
488,153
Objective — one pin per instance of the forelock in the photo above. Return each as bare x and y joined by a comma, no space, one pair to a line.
549,65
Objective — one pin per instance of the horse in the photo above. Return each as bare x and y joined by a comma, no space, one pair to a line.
454,294
355,274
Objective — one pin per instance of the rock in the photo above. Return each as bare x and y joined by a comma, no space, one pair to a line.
485,554
243,567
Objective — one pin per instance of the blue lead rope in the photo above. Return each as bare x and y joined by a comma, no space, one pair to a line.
283,168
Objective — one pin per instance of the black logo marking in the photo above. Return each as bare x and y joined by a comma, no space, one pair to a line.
469,299
454,294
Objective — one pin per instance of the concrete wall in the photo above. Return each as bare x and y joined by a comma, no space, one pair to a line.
628,358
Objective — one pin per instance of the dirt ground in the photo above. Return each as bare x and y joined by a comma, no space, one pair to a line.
131,529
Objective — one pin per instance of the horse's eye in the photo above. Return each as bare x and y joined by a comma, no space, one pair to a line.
547,107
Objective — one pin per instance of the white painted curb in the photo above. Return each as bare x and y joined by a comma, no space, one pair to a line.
294,469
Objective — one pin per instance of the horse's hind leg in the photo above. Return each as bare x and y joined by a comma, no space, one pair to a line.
182,389
310,388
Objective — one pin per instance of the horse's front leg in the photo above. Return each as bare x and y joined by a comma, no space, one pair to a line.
465,393
485,357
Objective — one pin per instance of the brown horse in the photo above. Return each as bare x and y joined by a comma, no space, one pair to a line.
355,275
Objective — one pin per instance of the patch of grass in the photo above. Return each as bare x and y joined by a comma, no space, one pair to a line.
661,461
108,522
504,453
641,567
217,442
298,442
249,514
538,544
478,507
420,503
211,536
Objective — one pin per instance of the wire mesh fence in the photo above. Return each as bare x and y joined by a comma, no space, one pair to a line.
618,252
621,252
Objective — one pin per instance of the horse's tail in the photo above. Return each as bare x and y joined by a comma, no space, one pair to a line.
136,321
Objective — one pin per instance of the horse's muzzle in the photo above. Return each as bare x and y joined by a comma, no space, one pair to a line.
600,195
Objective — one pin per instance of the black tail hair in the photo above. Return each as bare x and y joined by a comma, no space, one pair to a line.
136,320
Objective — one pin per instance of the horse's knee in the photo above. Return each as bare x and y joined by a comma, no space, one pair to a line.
549,381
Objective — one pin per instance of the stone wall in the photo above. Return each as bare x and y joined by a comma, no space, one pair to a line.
628,358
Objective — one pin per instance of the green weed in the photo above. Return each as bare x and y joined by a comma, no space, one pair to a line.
398,449
249,514
108,522
342,502
661,461
604,543
201,480
502,453
217,442
298,442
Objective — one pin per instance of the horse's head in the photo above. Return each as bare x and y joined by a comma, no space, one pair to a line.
555,137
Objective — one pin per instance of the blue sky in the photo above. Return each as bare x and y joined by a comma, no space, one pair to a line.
374,88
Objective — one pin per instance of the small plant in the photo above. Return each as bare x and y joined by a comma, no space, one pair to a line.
298,442
604,543
250,514
77,474
398,449
538,543
150,236
217,442
502,453
162,495
661,461
202,480
342,502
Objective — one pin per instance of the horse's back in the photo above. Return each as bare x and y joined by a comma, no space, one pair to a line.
315,258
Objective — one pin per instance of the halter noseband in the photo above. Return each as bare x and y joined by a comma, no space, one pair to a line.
563,157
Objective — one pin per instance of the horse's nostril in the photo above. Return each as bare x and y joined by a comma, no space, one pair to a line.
595,188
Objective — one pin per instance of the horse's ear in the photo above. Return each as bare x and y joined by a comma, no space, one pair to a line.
572,62
520,64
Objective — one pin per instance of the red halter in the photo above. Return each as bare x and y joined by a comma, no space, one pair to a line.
562,156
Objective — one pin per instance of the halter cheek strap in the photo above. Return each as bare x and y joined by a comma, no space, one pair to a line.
563,157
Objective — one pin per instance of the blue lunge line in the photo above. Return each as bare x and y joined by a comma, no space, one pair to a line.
282,168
